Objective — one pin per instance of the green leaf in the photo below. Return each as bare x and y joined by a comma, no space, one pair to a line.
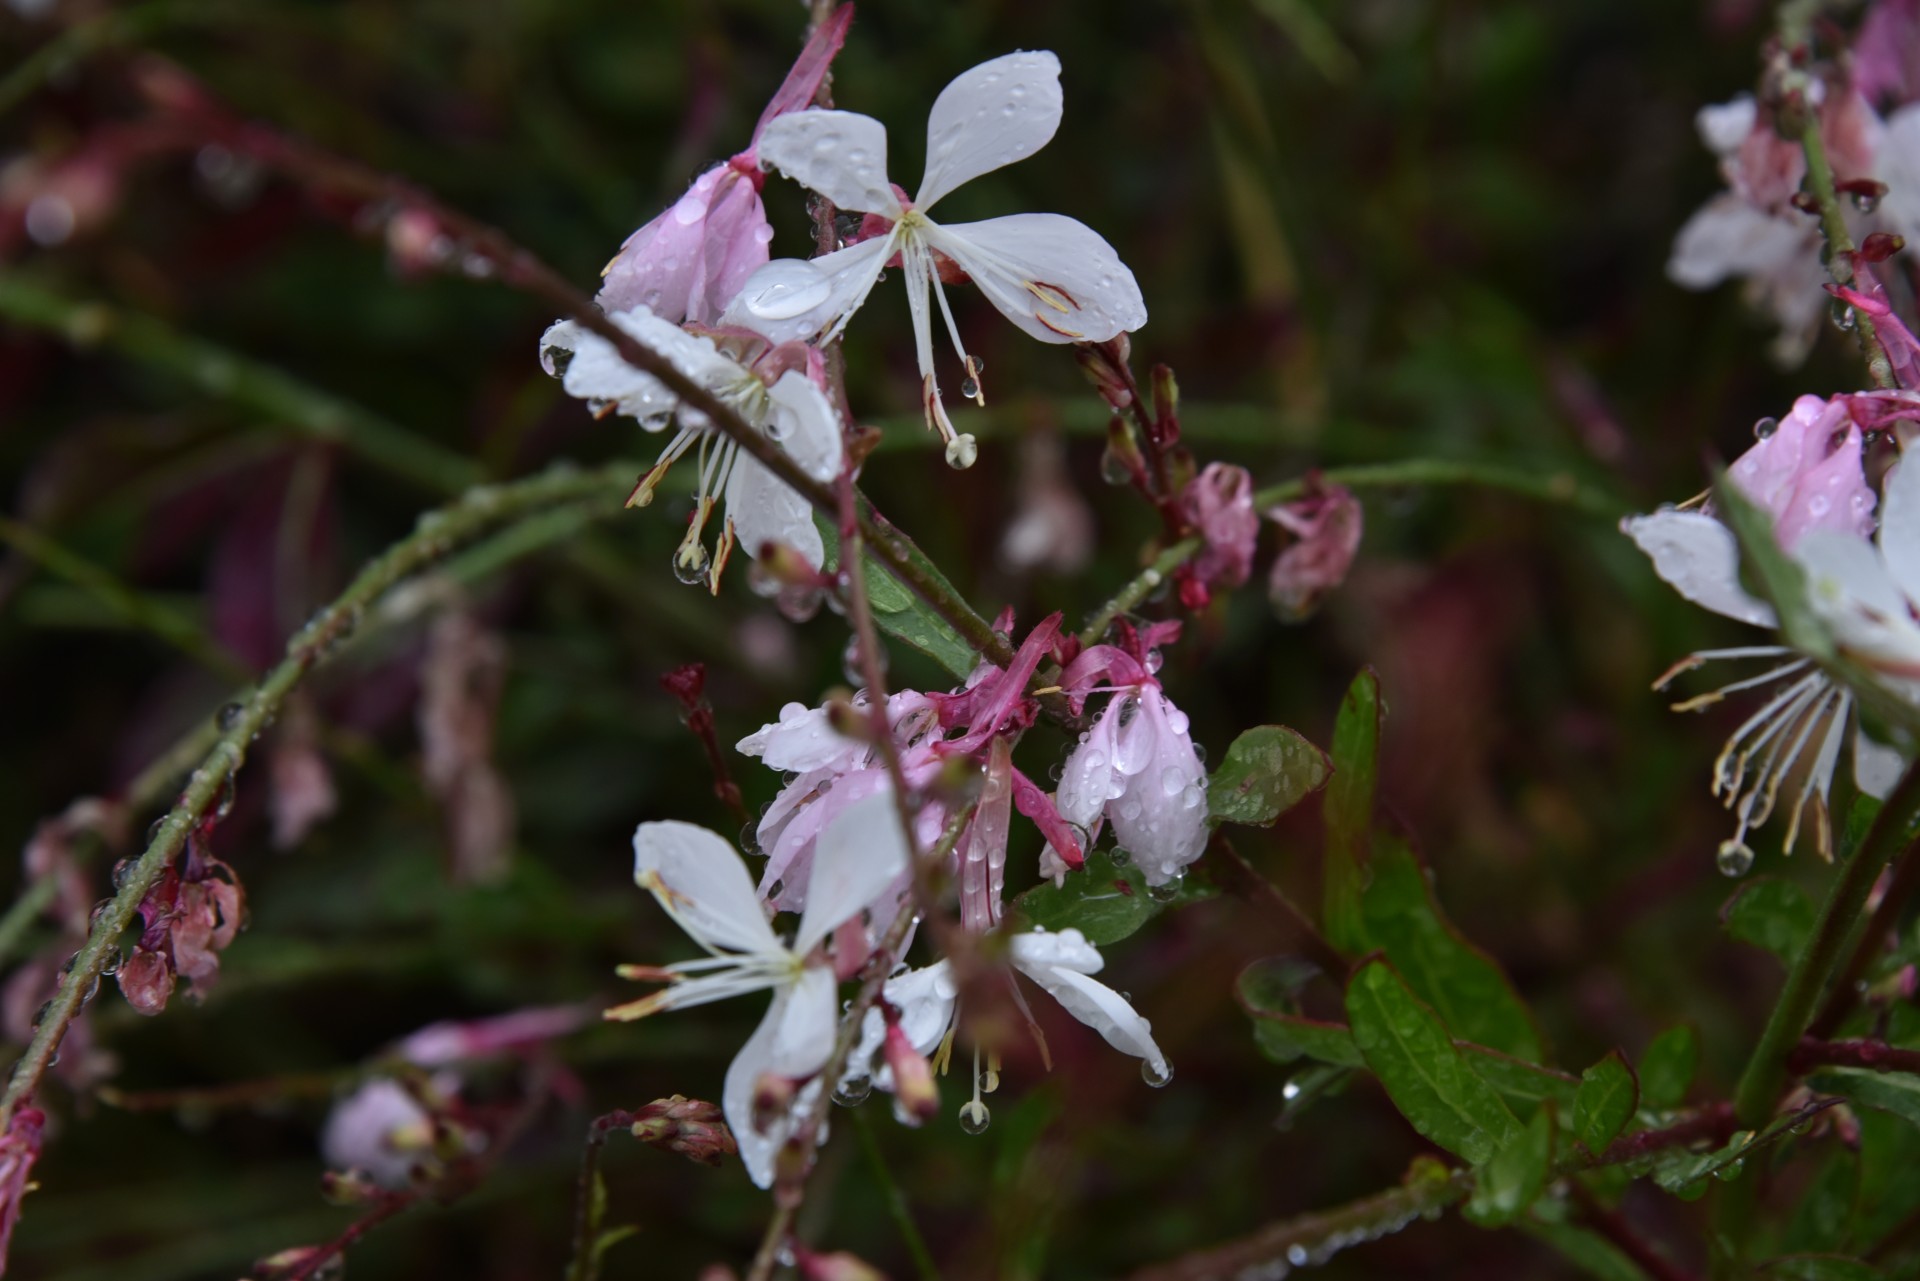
1779,578
1512,1181
1523,1085
1895,1092
1104,902
1820,1267
1268,770
900,613
1427,1078
1770,913
1685,1174
1348,807
1462,983
1606,1101
1268,990
1667,1067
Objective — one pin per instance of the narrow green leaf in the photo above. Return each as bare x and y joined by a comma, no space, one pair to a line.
1667,1067
901,614
1349,810
1427,1078
1463,984
1512,1181
1770,913
1895,1092
1104,902
1266,772
1685,1174
1285,1038
1608,1095
1820,1267
1525,1086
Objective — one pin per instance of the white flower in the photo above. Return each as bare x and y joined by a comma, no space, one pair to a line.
784,405
704,886
1137,765
925,1001
1804,722
1054,277
1866,593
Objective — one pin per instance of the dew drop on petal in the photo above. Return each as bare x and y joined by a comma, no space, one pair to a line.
1165,892
1172,781
1734,858
1155,1074
1114,469
974,1117
1765,428
787,289
1121,856
853,1091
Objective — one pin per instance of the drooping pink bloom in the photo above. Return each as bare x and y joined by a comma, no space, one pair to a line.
1219,502
19,1149
1326,526
691,261
189,916
1136,766
1806,472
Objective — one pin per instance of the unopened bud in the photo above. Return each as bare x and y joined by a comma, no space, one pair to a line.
689,1127
348,1187
1105,365
913,1088
146,980
1881,245
1166,405
772,1099
847,720
781,563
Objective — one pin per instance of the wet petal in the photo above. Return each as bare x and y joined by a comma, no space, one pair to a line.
860,853
700,880
1055,278
810,430
999,112
763,510
840,154
1900,529
1700,558
805,1020
847,276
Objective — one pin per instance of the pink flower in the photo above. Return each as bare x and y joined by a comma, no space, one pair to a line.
1219,502
1326,525
19,1149
1136,766
691,261
192,913
1886,52
1806,472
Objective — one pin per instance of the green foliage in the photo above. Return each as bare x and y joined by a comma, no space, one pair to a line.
1266,772
1771,913
1895,1092
1427,1078
1820,1267
1667,1067
1103,901
1348,807
1509,1183
1606,1102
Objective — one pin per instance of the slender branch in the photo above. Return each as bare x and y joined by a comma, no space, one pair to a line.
896,1199
1138,588
436,534
1850,981
1813,1053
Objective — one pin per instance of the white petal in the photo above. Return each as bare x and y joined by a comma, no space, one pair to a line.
810,430
1898,165
1099,1007
925,999
1052,276
1875,768
859,854
1089,780
1900,528
699,878
598,372
802,739
999,112
757,1150
1700,558
1063,949
764,510
1161,817
1728,237
805,1021
848,274
1849,587
840,154
1724,126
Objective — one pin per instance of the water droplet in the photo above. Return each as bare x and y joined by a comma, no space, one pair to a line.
1121,856
154,828
122,870
851,666
1156,1074
962,452
969,387
1734,858
974,1117
1290,1091
1128,709
1172,781
1165,892
1817,505
853,1091
1765,428
1114,469
779,426
750,838
1200,753
476,266
690,564
1081,837
1843,318
775,890
1057,771
229,716
787,289
1866,201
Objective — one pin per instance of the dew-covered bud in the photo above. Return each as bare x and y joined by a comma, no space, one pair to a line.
913,1088
690,1127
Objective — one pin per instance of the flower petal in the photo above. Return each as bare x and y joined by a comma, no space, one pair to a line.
1052,276
1875,768
1048,961
848,275
999,112
1047,949
1850,588
700,880
840,154
1089,780
1900,528
859,854
802,739
806,1019
808,430
757,1148
1700,558
764,510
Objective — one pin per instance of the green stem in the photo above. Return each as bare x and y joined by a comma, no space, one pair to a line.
1840,246
1761,1083
436,534
896,1199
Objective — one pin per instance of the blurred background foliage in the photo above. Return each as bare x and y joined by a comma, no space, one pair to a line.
1366,231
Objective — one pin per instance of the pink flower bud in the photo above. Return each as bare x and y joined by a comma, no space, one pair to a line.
1327,524
913,1087
689,1127
19,1149
146,980
1806,472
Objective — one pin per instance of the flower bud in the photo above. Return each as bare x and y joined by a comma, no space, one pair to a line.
690,1127
146,980
348,1187
1327,524
913,1088
773,1096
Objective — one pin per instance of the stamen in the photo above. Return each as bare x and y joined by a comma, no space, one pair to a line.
1706,700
